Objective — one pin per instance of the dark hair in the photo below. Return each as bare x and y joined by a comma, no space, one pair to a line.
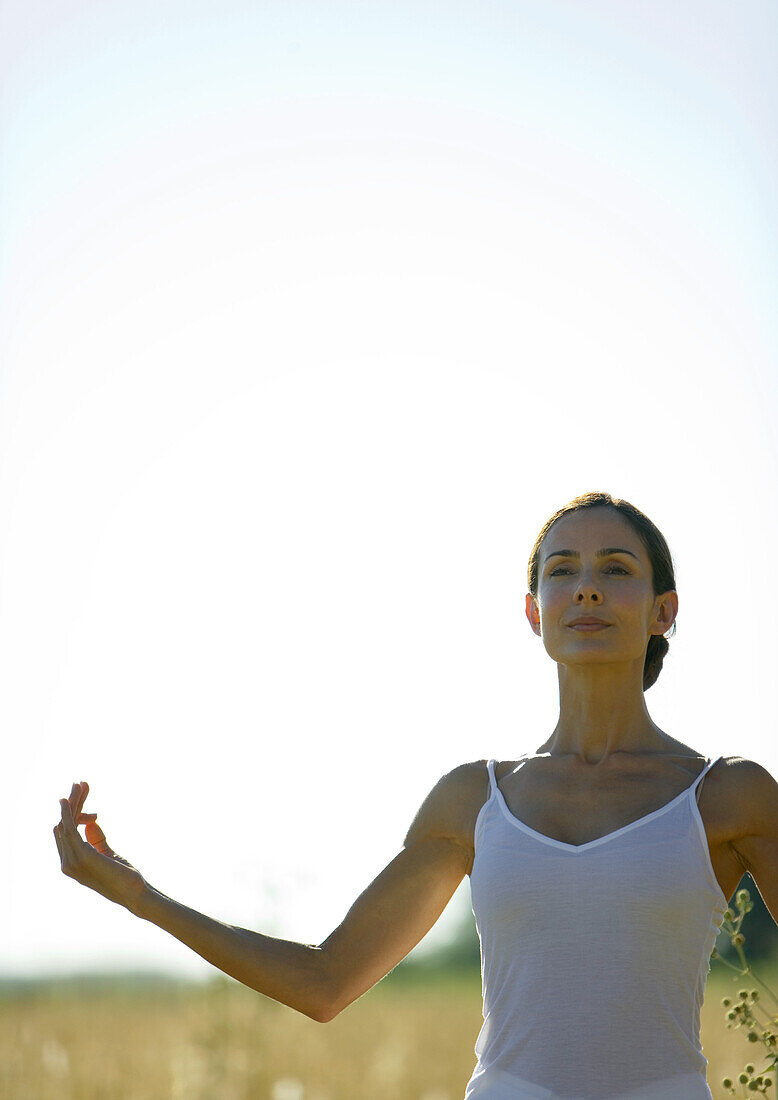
658,551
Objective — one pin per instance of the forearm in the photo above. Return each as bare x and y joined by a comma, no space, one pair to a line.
387,920
292,973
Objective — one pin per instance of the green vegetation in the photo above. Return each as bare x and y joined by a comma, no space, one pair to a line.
743,1012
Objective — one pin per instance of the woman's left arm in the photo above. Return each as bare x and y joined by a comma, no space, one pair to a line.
758,847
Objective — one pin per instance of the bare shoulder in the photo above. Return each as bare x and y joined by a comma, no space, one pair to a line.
740,776
452,806
746,770
749,790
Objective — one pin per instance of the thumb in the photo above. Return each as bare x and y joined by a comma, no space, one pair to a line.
96,837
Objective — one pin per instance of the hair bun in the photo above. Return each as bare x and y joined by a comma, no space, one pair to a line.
658,646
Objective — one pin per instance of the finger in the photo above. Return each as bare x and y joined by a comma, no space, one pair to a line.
77,798
84,786
84,819
68,824
96,837
64,852
69,835
72,799
70,854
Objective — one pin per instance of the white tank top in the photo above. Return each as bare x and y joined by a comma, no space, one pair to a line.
594,957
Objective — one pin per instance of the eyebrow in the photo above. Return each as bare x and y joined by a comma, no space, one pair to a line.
598,553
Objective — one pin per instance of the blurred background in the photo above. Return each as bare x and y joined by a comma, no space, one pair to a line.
312,314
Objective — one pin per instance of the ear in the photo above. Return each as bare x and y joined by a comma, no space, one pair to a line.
533,613
666,609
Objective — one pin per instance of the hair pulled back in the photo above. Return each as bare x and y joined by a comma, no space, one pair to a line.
663,573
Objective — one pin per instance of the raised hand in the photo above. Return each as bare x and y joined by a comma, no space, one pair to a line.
92,862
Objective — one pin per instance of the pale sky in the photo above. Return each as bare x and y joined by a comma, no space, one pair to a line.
312,314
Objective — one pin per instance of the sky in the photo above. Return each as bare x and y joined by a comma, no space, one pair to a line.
312,315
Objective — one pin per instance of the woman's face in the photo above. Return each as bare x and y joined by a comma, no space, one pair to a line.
593,564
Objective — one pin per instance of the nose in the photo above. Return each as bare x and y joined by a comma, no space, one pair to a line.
588,590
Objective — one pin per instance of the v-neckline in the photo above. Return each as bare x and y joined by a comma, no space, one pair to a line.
600,839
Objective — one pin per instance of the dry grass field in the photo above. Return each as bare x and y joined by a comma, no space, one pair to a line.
402,1041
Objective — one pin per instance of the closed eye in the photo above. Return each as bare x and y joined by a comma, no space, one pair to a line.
614,567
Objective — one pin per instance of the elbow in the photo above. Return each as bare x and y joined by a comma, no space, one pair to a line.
324,1001
327,1006
330,999
323,1009
318,1009
324,1014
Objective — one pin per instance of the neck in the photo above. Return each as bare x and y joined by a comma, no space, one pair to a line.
602,711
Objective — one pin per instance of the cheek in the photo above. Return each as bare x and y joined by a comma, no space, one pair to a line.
636,610
552,600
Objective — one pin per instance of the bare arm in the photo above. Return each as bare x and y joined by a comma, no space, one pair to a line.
758,846
386,921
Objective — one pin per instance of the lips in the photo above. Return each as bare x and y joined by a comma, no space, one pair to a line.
587,624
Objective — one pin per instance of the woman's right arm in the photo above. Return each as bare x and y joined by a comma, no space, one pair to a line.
385,922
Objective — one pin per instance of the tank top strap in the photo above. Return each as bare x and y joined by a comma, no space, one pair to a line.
697,784
492,780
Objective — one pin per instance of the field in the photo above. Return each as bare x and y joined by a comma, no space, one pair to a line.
405,1040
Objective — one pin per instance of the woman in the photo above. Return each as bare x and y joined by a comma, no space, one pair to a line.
600,866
